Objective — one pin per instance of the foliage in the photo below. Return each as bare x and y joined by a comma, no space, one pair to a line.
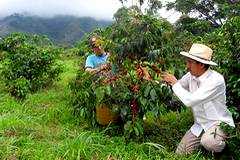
225,43
233,138
168,129
136,34
193,25
214,11
125,93
140,37
152,5
134,38
83,97
44,128
29,63
137,40
83,45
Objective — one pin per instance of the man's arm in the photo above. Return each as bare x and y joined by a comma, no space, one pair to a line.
104,66
89,69
205,93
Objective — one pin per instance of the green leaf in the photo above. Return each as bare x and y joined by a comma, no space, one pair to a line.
153,94
108,90
147,90
127,125
136,131
100,92
143,101
115,108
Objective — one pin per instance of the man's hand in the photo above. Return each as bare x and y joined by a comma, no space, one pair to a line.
105,66
169,78
142,72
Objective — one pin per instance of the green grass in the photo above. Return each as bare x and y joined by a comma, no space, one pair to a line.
43,127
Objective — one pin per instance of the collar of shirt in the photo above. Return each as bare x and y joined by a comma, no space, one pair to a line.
102,55
203,77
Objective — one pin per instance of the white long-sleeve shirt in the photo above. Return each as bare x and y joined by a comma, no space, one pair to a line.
206,95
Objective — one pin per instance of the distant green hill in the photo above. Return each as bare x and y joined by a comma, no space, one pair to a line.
63,30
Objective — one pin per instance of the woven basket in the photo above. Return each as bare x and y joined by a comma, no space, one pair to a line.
105,115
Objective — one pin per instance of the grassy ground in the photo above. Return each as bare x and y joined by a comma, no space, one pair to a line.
43,127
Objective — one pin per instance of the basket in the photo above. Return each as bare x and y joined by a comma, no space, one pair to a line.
105,116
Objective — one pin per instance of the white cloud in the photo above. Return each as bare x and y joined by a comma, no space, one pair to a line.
100,9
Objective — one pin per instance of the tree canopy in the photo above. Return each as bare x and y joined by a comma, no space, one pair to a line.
152,5
214,11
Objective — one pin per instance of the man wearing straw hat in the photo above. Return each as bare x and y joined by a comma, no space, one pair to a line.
204,91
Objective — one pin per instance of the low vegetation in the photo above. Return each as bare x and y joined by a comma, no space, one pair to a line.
43,127
47,100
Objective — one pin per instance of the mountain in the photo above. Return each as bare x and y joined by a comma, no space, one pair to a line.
62,30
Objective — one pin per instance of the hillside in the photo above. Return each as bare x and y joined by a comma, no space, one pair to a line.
60,29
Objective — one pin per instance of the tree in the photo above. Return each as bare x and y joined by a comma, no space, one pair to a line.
214,11
225,42
153,5
121,13
193,25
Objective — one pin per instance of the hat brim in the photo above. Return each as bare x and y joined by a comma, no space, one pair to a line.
186,54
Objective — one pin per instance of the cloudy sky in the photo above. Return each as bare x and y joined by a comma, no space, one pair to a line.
100,9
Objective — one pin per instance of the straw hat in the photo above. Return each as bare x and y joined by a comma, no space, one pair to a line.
200,53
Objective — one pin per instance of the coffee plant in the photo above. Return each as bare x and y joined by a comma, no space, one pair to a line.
225,43
29,63
125,93
135,40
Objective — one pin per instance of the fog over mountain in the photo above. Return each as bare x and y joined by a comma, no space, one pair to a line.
64,30
98,9
64,21
49,8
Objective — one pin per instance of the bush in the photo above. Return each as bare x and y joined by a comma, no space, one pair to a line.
83,97
29,63
225,43
125,93
135,39
169,129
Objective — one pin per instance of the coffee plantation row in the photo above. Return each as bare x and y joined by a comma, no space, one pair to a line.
31,62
